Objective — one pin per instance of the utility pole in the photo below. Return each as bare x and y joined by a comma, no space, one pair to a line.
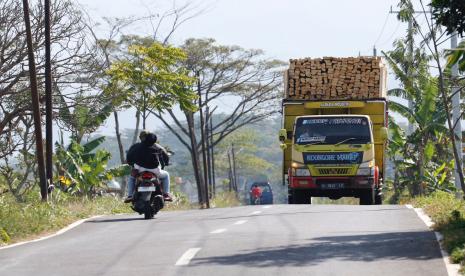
35,104
456,114
233,155
202,136
212,152
231,176
208,153
409,68
48,97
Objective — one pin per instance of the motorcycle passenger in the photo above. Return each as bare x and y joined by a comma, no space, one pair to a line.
147,155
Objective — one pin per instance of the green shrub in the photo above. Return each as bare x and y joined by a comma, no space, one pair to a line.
4,237
457,255
447,213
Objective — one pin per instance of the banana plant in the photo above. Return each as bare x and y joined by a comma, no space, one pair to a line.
82,169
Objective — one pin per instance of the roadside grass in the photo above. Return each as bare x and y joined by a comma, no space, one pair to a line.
180,202
33,218
225,199
448,214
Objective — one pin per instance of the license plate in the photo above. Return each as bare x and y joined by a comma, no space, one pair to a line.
330,186
146,189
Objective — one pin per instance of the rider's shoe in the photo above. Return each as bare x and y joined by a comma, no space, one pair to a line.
167,197
128,199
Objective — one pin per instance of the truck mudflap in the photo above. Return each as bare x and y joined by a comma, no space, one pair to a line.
331,183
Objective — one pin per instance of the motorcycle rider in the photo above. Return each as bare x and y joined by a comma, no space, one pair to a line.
147,155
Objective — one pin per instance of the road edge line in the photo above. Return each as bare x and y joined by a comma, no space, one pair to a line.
59,232
452,269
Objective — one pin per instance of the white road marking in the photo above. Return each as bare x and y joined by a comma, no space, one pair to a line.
240,222
452,269
267,207
255,212
218,231
187,256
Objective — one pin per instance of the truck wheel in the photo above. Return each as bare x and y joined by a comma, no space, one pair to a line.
300,197
378,198
367,197
379,194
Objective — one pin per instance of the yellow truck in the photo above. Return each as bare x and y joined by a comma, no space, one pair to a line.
334,148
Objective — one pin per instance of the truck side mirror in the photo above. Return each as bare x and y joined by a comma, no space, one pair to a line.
383,133
282,135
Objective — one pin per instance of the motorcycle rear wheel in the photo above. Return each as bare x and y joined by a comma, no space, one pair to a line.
148,212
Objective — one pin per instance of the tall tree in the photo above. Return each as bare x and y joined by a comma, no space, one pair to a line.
245,79
151,78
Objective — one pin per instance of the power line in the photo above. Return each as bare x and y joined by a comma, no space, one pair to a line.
382,29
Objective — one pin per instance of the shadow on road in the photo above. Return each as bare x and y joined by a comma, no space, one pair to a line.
310,211
114,220
419,245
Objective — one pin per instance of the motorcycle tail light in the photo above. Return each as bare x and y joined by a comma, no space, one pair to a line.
147,175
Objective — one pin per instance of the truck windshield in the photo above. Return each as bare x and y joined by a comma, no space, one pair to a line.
332,130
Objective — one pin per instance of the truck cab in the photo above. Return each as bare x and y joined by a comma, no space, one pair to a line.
334,149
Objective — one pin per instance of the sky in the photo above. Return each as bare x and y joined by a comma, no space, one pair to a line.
283,29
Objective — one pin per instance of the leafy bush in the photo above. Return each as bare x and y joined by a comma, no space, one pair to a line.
83,170
4,237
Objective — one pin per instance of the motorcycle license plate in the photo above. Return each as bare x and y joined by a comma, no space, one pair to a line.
146,189
330,186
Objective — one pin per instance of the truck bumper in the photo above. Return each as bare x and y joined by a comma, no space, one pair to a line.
331,183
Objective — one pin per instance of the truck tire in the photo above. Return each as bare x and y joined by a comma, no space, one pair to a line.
378,198
367,197
299,197
379,194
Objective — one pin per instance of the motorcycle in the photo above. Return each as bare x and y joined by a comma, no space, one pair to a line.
148,196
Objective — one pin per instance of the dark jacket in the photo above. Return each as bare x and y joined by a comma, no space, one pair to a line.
147,154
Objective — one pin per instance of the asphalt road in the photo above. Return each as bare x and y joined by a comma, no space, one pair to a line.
252,240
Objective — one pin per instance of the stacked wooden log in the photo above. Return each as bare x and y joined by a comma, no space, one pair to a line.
332,78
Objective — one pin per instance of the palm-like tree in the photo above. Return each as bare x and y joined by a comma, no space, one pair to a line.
427,114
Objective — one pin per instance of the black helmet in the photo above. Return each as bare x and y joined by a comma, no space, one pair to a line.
150,139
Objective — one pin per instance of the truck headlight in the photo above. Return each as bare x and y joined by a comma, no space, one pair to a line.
366,168
302,172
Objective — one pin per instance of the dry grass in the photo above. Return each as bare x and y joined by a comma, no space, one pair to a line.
225,199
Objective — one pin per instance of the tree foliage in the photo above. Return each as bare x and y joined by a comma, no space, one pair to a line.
73,61
244,78
425,149
151,77
429,152
450,14
82,169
